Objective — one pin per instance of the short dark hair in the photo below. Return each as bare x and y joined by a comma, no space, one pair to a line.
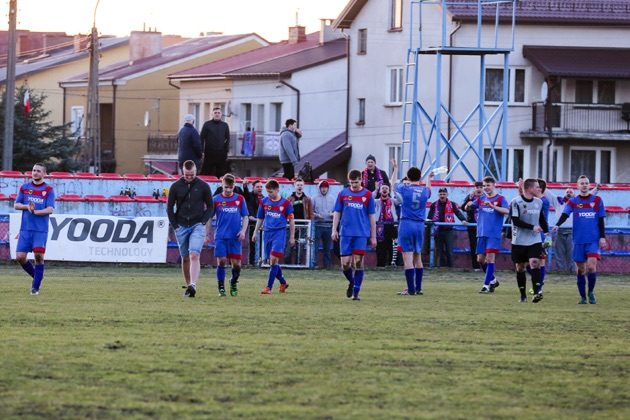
272,184
228,179
256,182
489,180
543,184
289,122
217,108
354,174
40,164
443,190
298,179
478,184
189,164
582,177
529,182
414,174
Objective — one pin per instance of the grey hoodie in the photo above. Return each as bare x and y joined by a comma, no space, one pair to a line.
289,151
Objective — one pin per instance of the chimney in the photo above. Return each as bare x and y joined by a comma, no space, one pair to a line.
297,34
80,42
144,44
326,33
44,44
23,45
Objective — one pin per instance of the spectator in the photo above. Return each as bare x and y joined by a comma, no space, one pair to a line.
373,177
323,205
215,136
471,217
385,227
253,200
302,210
444,210
249,142
188,143
289,152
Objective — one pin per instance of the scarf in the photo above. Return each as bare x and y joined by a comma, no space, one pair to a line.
378,175
386,215
449,215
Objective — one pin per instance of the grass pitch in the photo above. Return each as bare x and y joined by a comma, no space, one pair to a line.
121,342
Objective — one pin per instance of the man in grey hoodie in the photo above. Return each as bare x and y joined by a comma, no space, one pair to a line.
323,206
289,152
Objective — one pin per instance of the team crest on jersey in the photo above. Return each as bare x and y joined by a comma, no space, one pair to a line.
281,208
223,203
580,205
592,204
30,191
363,199
238,202
44,193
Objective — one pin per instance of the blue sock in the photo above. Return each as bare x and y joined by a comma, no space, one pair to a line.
236,273
28,267
542,276
409,276
484,267
489,274
581,285
273,272
419,272
221,276
349,275
280,277
38,276
358,279
592,279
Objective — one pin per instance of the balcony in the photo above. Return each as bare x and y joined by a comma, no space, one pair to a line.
573,120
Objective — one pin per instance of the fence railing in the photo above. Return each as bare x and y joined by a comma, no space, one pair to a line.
574,117
263,144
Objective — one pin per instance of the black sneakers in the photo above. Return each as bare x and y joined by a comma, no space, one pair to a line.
349,290
190,291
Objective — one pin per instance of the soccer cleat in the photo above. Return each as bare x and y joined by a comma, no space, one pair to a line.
265,291
537,298
349,289
406,292
591,298
523,300
283,287
222,292
495,283
419,292
189,292
582,301
34,292
233,290
484,290
356,298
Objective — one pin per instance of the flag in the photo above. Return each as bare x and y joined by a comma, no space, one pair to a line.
27,101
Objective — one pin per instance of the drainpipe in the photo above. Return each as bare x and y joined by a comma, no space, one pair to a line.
170,82
450,92
548,108
347,37
297,91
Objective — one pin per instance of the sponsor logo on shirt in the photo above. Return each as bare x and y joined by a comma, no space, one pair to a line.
355,205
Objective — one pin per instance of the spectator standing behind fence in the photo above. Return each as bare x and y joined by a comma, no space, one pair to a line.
188,144
323,205
372,176
444,210
385,227
189,209
253,200
471,217
249,142
302,210
289,150
215,136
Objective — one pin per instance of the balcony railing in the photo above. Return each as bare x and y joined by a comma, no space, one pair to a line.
586,118
266,145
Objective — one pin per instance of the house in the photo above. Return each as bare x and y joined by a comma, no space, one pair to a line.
303,78
135,98
576,53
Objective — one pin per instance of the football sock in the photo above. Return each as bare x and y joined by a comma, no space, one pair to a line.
279,276
236,273
542,275
581,285
484,267
489,274
38,276
536,279
521,281
358,279
592,279
349,275
28,267
409,276
273,272
221,276
419,272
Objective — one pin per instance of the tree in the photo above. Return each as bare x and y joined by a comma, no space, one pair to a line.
36,139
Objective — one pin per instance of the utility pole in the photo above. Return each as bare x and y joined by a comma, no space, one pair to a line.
93,121
9,102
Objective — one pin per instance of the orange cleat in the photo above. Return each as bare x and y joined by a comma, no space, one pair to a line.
283,287
265,291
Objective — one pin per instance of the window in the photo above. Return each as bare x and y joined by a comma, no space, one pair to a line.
606,92
362,45
259,124
246,119
555,173
494,85
195,109
361,120
77,122
276,116
396,14
584,91
395,83
395,154
597,164
516,158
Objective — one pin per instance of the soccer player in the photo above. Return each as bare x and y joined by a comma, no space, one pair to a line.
528,222
273,214
230,210
36,200
355,214
588,236
492,207
411,227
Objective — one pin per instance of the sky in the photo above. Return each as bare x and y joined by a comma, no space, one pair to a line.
268,18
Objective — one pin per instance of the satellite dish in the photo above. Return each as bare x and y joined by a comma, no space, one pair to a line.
544,91
147,119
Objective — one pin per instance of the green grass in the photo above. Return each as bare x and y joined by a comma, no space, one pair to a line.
121,342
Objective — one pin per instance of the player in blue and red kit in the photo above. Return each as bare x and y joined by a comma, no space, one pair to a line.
231,214
588,236
411,226
273,214
36,200
354,213
492,207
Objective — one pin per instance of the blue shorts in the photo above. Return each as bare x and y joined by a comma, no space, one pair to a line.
30,240
230,248
352,245
275,241
410,236
487,245
582,252
190,239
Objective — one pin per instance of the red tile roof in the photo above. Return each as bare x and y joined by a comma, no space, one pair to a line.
580,61
276,59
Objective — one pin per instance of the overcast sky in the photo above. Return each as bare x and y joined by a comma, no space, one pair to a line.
268,18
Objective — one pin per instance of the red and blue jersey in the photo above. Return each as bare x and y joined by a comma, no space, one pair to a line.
41,196
355,208
229,212
489,221
586,213
275,213
414,201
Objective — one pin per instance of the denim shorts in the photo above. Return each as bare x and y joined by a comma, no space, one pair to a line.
190,239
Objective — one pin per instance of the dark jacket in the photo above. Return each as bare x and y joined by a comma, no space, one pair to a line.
371,180
188,145
215,136
253,201
189,203
440,207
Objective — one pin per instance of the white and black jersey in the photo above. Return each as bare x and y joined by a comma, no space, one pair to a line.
525,215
